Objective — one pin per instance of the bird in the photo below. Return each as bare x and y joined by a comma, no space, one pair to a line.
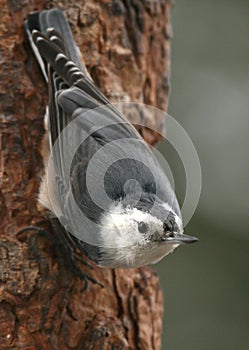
102,181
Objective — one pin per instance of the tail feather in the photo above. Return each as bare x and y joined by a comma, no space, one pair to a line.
53,45
56,38
54,18
51,39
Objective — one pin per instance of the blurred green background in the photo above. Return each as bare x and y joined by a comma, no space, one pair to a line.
206,285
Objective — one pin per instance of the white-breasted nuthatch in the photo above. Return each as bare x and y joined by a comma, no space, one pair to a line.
137,221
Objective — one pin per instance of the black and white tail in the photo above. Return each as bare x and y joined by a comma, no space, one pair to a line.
51,39
54,24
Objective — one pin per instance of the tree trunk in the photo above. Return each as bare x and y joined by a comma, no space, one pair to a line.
43,305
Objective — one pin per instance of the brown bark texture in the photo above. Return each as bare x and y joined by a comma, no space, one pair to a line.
43,305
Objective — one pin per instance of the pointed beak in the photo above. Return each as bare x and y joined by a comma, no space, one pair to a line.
179,238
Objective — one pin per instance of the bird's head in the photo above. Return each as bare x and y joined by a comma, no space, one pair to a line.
133,236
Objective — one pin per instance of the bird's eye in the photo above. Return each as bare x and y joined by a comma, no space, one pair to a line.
142,227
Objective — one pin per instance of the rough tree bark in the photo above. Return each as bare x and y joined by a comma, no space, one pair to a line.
125,44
